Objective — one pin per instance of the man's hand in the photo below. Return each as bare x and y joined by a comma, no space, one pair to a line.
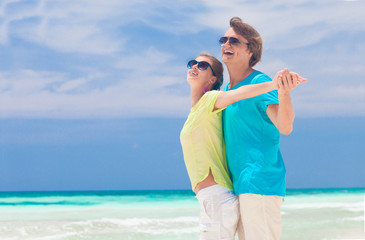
287,81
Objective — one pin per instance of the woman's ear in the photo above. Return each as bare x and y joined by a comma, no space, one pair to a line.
213,80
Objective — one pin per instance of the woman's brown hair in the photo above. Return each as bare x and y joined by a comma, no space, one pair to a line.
217,67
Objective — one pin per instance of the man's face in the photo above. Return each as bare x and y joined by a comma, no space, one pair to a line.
232,53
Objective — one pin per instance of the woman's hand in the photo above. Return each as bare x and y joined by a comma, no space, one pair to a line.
277,79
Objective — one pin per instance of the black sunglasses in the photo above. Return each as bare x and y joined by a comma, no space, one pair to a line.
202,66
232,41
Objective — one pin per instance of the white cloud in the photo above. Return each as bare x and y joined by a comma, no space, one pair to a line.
86,26
340,69
90,26
27,81
71,26
144,91
72,85
284,23
147,61
118,81
329,101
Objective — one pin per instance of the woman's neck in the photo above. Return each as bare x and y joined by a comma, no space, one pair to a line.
195,95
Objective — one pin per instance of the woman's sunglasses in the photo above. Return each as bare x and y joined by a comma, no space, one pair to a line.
232,41
202,66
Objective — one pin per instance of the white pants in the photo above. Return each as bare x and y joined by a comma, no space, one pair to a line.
260,216
219,213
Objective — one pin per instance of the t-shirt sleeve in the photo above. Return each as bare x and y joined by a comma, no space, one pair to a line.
269,97
211,99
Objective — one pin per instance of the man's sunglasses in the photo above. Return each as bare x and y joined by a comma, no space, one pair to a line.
202,66
232,41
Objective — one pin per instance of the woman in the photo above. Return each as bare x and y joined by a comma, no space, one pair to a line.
203,145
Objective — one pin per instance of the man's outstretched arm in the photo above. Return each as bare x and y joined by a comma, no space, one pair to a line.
282,114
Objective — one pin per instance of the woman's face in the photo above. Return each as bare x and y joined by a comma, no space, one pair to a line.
203,78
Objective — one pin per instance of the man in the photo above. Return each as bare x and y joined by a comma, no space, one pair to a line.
252,130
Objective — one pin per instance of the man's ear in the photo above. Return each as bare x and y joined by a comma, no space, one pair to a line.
250,53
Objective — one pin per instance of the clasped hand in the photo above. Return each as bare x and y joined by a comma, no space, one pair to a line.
285,81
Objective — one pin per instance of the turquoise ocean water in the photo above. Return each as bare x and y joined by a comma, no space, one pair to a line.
165,215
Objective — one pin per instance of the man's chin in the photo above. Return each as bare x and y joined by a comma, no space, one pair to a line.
226,59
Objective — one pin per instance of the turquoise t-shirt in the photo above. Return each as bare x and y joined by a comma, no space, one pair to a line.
252,143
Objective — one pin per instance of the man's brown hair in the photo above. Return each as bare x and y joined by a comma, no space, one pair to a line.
253,37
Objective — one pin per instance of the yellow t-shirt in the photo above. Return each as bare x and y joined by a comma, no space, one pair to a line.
202,142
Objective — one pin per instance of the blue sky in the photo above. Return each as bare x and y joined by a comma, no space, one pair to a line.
93,94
